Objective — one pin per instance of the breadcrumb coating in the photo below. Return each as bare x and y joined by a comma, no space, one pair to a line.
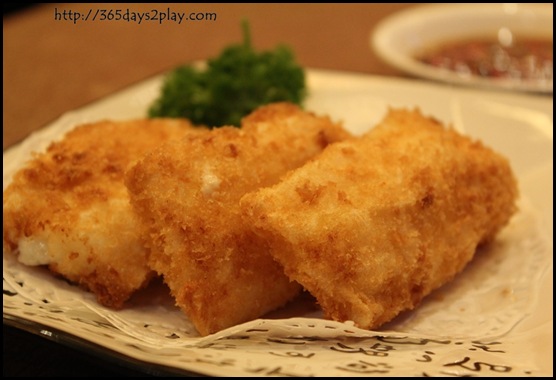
374,224
187,193
68,207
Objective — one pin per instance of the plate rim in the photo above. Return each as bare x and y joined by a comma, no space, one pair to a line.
325,72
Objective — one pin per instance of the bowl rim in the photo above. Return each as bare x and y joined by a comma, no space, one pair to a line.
381,36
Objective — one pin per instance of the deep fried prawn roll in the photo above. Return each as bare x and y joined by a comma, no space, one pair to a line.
187,194
69,209
375,224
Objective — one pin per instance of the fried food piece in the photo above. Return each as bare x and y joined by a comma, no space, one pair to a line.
188,192
375,224
69,209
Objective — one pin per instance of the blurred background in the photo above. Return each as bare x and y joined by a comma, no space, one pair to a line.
53,66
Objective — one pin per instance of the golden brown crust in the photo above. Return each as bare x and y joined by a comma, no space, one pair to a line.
72,200
187,193
374,224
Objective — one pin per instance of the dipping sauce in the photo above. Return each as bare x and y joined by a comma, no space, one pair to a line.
525,59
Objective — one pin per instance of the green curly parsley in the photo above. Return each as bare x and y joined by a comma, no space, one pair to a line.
232,85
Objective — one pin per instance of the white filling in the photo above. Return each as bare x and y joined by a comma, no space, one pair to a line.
210,181
33,251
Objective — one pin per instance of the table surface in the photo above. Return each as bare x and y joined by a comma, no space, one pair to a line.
53,64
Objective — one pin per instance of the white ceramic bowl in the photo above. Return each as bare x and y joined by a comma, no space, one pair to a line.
398,38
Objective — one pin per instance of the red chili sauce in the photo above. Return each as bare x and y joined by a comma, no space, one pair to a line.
528,59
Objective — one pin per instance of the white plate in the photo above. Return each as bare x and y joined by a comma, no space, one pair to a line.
495,319
399,37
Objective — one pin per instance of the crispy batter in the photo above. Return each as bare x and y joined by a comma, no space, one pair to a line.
187,193
69,209
374,224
